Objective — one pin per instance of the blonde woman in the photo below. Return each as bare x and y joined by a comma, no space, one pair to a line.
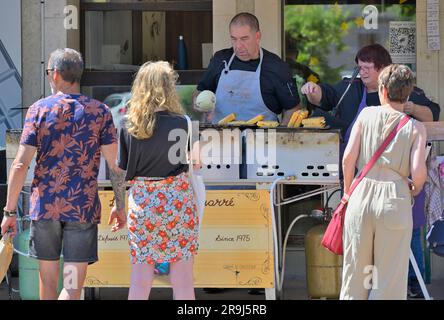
162,218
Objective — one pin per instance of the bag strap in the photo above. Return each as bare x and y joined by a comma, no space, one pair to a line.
189,143
375,158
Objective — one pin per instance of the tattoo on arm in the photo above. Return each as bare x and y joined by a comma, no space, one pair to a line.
119,186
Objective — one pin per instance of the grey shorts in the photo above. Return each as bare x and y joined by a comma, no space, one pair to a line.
78,241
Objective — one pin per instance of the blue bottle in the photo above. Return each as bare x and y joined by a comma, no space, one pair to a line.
182,54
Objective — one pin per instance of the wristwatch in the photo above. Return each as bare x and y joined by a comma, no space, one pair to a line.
9,213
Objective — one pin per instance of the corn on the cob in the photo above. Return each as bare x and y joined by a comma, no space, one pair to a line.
296,118
304,114
316,122
298,121
237,123
256,119
267,124
293,119
229,118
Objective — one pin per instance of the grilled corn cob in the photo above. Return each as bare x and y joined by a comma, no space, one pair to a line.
304,114
267,124
296,118
293,119
256,119
229,118
316,122
237,123
298,121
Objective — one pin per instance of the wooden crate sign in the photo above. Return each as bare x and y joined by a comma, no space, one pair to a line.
235,246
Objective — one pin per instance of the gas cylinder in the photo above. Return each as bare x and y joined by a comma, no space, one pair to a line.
29,270
323,268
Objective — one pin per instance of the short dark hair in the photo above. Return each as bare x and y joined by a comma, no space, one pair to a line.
374,53
398,80
245,18
68,62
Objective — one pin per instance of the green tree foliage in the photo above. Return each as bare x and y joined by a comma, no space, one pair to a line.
312,31
405,12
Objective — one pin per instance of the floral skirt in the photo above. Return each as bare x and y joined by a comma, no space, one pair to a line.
162,220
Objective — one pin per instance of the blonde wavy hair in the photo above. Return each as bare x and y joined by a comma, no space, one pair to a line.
154,89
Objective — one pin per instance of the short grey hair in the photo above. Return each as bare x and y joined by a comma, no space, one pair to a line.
246,19
68,62
398,80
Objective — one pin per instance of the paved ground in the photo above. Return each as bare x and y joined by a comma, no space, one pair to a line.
295,289
294,285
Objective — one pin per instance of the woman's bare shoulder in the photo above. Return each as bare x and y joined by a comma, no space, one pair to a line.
419,128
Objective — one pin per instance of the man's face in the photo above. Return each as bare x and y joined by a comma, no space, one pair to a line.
369,74
246,43
50,73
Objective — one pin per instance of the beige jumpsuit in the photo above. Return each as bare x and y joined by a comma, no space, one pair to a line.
378,221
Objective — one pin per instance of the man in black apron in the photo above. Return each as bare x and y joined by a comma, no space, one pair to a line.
247,79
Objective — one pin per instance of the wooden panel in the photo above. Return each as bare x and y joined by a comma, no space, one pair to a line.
153,26
435,131
137,37
235,247
196,27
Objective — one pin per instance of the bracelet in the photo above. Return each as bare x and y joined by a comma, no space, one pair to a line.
9,213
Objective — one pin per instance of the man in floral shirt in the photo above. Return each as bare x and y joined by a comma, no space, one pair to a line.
69,132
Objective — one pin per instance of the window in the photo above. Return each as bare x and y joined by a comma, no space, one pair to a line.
322,39
119,36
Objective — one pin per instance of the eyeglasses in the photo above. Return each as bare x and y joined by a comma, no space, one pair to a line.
49,70
366,68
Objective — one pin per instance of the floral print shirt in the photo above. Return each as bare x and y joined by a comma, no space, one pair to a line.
67,130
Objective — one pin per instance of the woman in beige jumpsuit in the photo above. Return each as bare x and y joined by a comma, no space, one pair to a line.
378,222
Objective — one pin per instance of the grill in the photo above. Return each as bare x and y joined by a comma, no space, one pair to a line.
245,154
221,153
310,155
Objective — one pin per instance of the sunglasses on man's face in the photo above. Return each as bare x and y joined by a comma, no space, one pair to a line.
49,70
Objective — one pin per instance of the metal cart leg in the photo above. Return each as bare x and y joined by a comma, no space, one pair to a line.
278,293
270,294
419,277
